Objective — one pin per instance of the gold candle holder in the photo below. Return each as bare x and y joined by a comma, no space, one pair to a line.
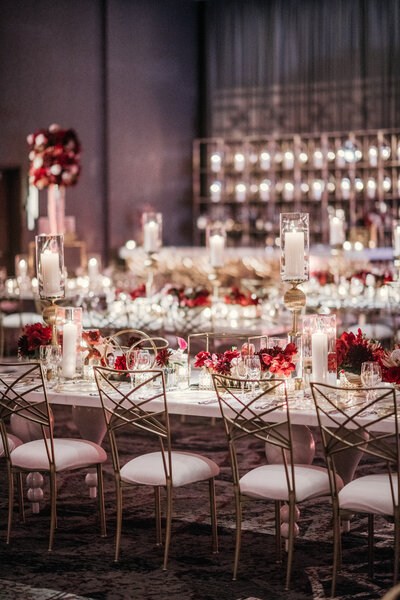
214,278
49,314
294,300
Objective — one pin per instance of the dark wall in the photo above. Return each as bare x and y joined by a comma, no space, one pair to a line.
120,71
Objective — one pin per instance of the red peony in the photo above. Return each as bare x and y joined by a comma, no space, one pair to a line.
32,338
352,350
277,360
201,358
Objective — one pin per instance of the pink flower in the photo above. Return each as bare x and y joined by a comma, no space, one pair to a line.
182,343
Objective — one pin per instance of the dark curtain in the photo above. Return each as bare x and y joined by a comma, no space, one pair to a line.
285,66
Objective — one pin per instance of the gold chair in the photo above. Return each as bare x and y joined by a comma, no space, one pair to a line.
144,407
25,396
266,417
370,426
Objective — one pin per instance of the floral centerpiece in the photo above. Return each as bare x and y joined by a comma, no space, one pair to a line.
33,336
169,358
54,157
352,350
139,292
390,364
235,296
93,345
221,363
278,361
191,297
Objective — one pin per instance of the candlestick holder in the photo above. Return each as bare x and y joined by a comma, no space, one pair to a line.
50,275
214,278
216,242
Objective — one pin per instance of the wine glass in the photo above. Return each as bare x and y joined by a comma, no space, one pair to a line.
253,370
131,359
242,371
54,356
371,376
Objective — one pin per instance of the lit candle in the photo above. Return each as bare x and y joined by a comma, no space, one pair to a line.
373,156
215,162
294,254
288,160
265,161
150,230
288,191
318,159
22,268
265,190
51,274
319,350
239,161
317,188
336,231
240,192
217,245
70,333
93,268
215,191
371,188
345,187
396,239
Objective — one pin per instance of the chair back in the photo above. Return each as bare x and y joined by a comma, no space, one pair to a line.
23,394
264,416
126,340
127,407
369,425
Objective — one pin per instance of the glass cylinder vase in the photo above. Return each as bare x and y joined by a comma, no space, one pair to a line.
152,231
216,242
50,265
319,347
56,208
294,239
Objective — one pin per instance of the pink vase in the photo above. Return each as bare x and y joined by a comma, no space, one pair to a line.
56,208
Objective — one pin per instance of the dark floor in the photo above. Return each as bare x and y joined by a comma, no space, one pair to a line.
81,564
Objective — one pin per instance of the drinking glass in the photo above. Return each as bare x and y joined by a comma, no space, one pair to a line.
242,371
54,356
253,370
371,376
274,342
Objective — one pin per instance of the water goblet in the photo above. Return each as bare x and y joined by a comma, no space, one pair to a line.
242,371
253,370
371,376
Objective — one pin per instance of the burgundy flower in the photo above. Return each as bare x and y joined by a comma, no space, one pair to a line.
120,363
162,358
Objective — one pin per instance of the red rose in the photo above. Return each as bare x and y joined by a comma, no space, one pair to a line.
201,357
120,363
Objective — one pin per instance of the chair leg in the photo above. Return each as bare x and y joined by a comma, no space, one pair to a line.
168,525
370,546
292,519
336,548
10,503
119,519
238,512
213,510
396,544
21,497
278,539
157,511
53,507
100,495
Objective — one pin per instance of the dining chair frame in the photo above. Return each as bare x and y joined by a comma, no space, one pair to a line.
112,341
14,402
125,411
245,420
342,431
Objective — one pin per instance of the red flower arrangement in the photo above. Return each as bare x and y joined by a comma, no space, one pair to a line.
32,338
235,296
139,292
277,360
120,363
352,350
219,362
54,157
162,358
191,297
94,344
323,277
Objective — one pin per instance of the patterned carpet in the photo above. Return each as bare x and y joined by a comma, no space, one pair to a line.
81,565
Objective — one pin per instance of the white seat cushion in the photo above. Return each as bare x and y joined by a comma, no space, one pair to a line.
369,494
13,442
187,468
17,320
269,482
69,454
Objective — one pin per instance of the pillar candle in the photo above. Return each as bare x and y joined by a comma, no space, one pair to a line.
239,161
319,349
22,268
93,268
70,332
294,254
151,236
217,244
51,274
396,236
336,233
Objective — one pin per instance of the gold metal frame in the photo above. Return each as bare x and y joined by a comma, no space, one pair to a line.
153,343
123,410
353,433
245,421
209,335
14,402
